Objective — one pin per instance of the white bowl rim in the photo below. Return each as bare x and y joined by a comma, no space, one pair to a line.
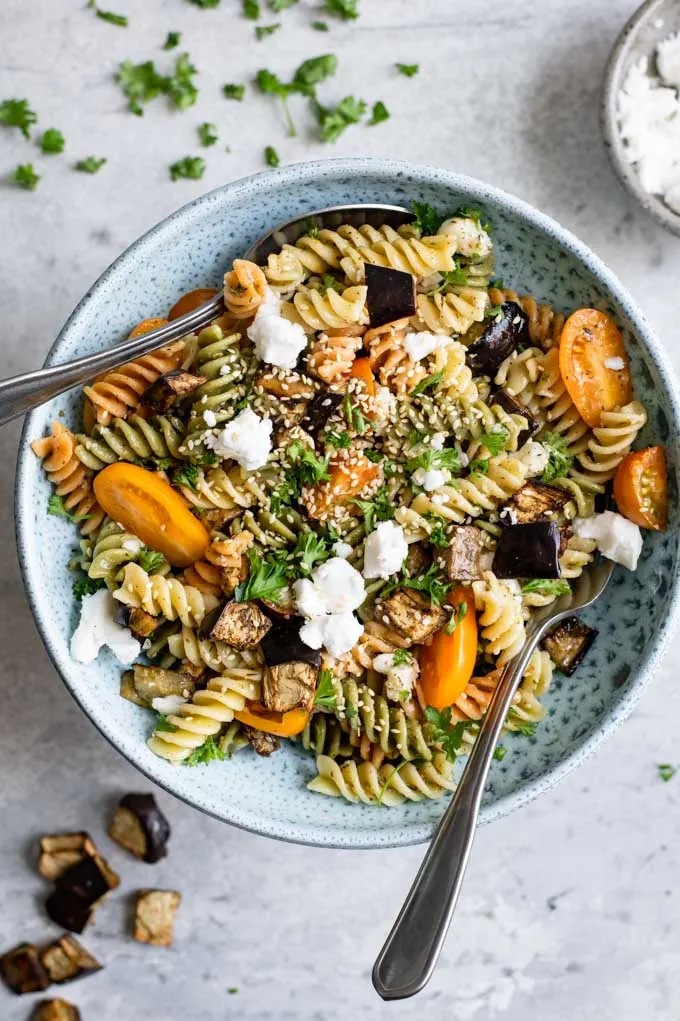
356,167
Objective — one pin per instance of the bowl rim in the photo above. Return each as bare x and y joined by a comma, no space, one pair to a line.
356,168
609,121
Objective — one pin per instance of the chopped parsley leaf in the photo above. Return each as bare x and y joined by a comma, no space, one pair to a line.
408,70
313,72
141,83
380,508
205,3
271,156
52,141
354,416
547,586
560,460
401,657
309,468
380,113
91,165
266,580
456,617
171,40
281,5
310,549
432,582
437,537
496,284
191,168
388,779
333,120
494,312
320,26
666,771
87,586
340,441
429,383
495,440
448,736
479,466
232,990
181,87
325,696
251,9
271,85
209,751
451,278
470,213
374,456
330,283
207,133
26,177
345,9
150,560
447,459
427,220
500,753
520,725
56,506
113,19
186,475
262,31
16,113
234,91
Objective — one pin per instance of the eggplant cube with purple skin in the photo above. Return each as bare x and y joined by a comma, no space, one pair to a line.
528,551
155,916
59,851
241,625
170,388
501,335
568,643
21,970
66,960
391,295
463,557
140,827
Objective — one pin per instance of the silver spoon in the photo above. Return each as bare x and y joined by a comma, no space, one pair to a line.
408,958
22,393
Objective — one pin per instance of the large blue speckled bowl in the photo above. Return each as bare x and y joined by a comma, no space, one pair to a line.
192,248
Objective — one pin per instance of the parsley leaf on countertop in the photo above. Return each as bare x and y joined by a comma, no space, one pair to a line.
205,3
271,156
271,85
251,9
52,141
16,113
113,19
666,771
207,133
312,72
181,87
234,91
262,31
320,26
281,5
333,120
408,70
345,9
141,83
190,168
172,40
26,177
91,164
380,113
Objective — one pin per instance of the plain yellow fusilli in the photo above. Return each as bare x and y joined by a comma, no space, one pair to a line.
168,597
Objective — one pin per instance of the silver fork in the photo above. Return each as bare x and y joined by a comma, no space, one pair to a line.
408,958
22,393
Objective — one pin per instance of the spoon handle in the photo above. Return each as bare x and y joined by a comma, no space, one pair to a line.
409,956
21,393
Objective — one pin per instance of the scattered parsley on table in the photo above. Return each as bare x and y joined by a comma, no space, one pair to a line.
234,91
408,70
26,177
172,40
52,141
190,168
207,133
16,113
271,156
91,165
380,113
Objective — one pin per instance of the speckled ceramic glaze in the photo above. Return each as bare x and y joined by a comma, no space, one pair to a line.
192,248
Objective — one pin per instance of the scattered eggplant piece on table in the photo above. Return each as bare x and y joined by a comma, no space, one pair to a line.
513,407
463,555
155,916
264,744
150,682
78,890
391,295
138,622
501,336
528,551
320,409
411,614
68,910
140,827
66,959
59,851
536,501
290,685
55,1010
22,971
282,644
170,388
568,643
241,625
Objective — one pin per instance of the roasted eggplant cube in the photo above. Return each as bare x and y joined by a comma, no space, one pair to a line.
140,827
155,916
21,970
418,559
411,614
59,851
528,551
169,389
216,520
282,644
568,643
151,682
90,879
391,295
67,959
513,407
536,501
264,744
241,625
140,623
289,686
68,910
503,335
286,385
464,553
320,409
55,1010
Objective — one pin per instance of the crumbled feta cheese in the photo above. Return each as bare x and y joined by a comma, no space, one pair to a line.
438,498
309,600
210,418
338,632
383,406
246,439
340,584
385,550
420,345
167,704
617,538
98,627
614,363
472,241
132,546
437,441
432,479
327,600
399,678
534,456
277,341
341,549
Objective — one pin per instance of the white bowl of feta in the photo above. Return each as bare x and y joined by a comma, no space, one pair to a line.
641,109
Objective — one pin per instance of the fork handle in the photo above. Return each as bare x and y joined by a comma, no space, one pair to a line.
22,393
409,956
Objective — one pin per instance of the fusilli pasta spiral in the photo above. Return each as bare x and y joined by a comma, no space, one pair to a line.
168,597
611,441
500,617
72,480
317,311
389,785
117,393
331,355
452,312
545,325
476,494
131,439
389,360
245,288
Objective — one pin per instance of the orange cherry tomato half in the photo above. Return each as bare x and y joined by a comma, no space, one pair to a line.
148,507
641,488
89,417
361,369
191,300
447,663
146,326
589,340
282,724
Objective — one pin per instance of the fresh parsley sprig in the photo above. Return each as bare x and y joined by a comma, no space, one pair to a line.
334,120
150,560
447,459
26,177
190,168
325,697
345,9
449,736
52,142
380,508
310,469
87,586
408,70
495,440
379,114
207,133
16,113
266,580
666,771
208,752
547,586
57,507
560,459
91,164
234,91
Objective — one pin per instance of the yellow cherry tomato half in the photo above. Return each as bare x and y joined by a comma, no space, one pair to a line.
447,663
594,364
147,506
282,724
